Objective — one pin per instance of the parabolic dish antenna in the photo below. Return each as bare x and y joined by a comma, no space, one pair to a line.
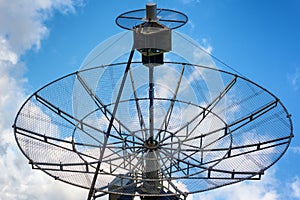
152,124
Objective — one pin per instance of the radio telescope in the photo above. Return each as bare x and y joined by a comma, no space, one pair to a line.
151,115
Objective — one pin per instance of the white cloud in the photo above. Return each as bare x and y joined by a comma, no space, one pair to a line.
206,45
190,1
6,55
22,22
22,28
294,78
191,24
295,150
264,189
269,188
295,186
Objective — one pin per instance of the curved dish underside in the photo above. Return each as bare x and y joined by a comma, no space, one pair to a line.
203,139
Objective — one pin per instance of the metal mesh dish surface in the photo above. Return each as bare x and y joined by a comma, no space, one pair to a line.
203,138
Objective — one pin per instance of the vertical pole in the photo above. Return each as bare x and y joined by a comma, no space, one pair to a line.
151,102
151,168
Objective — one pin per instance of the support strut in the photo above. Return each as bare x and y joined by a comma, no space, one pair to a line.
92,188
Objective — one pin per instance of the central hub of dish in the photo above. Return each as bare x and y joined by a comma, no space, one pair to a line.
151,144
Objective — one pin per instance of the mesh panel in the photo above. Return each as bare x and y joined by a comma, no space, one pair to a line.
202,138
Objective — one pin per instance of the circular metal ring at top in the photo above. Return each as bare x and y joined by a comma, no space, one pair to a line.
169,18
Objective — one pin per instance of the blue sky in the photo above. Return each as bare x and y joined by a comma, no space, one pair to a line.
42,40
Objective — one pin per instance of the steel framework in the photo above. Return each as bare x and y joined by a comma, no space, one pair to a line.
197,145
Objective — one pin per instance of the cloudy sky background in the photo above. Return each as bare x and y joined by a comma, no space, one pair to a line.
42,40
